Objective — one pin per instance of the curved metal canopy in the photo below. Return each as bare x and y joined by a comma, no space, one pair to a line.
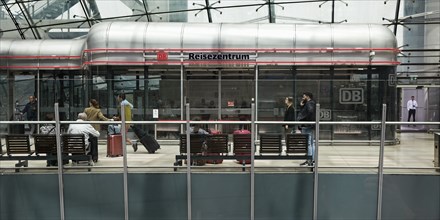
295,44
134,43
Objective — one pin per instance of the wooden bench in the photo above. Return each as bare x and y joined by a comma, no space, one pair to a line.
218,143
18,144
217,146
74,144
197,144
270,143
45,144
242,143
197,147
297,144
242,147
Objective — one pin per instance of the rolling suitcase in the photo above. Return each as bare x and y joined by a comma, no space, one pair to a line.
242,131
114,145
148,141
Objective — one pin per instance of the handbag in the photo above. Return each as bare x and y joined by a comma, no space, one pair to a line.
47,129
113,129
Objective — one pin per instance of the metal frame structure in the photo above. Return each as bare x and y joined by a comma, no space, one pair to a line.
141,8
253,122
208,7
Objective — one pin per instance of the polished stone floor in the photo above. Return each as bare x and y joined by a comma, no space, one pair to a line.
414,154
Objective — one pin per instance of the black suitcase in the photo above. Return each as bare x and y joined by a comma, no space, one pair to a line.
148,141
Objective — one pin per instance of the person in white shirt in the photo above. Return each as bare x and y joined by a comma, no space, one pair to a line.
86,129
411,105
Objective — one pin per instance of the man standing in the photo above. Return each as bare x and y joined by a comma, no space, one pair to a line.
307,113
411,105
31,113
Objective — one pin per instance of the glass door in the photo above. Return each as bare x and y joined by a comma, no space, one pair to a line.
220,94
237,91
202,93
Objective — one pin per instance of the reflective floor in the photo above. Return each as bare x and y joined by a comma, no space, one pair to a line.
413,154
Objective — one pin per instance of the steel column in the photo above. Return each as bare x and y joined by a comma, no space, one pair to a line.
396,17
253,160
124,152
59,160
380,169
256,95
316,174
182,95
188,164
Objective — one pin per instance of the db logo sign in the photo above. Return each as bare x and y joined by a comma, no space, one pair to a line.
351,96
162,56
376,127
326,114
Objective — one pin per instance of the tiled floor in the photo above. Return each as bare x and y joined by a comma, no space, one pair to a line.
414,153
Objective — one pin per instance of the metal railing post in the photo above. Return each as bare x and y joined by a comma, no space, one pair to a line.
380,169
315,170
124,152
59,161
188,163
253,135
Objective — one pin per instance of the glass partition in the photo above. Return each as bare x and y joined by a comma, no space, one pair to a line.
4,101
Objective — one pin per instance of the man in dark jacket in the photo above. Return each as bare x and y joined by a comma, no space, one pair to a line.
308,113
289,114
31,112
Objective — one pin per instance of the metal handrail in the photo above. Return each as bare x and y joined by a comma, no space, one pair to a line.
180,122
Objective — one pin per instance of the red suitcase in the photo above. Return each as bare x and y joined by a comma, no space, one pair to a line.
114,145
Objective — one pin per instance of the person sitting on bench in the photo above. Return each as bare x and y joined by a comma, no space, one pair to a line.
195,128
88,131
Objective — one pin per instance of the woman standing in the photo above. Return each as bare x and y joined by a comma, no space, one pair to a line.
94,114
289,114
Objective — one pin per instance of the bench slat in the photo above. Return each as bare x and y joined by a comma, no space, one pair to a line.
196,144
242,143
218,143
18,144
296,143
74,143
270,143
45,144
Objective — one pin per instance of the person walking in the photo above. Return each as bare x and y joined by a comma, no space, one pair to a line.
94,114
411,105
127,108
307,113
31,111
